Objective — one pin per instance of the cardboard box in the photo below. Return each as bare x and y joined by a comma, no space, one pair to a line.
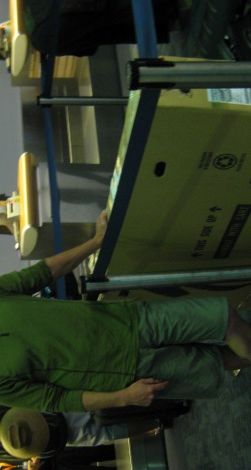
196,215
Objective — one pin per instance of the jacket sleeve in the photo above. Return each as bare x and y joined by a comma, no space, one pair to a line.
24,393
27,281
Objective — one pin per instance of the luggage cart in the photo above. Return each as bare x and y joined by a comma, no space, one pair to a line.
151,75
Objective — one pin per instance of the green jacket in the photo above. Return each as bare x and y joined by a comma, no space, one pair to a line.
53,350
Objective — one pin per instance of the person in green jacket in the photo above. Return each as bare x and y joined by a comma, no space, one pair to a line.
62,355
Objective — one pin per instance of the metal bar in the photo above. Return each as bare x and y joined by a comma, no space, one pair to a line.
147,45
145,281
55,202
80,101
190,74
47,66
145,27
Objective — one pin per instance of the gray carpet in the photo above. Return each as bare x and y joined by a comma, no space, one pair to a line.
216,434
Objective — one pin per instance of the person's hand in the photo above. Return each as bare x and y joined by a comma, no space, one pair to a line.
142,392
33,463
101,225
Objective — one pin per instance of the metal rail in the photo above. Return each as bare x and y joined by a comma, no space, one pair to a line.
80,101
145,281
210,74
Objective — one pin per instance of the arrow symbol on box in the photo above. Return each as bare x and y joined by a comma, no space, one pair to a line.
215,209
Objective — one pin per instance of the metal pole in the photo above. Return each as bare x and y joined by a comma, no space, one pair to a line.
145,281
163,74
80,101
145,30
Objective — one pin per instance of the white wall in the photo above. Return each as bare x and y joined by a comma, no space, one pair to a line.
11,146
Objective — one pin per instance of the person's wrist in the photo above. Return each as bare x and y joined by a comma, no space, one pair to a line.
124,399
96,242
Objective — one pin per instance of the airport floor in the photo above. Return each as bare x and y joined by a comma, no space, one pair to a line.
216,434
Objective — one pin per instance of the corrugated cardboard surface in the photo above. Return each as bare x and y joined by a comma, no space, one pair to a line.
197,214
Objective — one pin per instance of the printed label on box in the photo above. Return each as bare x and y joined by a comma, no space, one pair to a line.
230,95
233,231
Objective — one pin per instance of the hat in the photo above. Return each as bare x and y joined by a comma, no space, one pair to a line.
24,433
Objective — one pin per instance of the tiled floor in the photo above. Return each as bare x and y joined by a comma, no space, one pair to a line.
216,434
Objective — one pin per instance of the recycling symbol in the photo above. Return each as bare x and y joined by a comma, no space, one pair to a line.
225,161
